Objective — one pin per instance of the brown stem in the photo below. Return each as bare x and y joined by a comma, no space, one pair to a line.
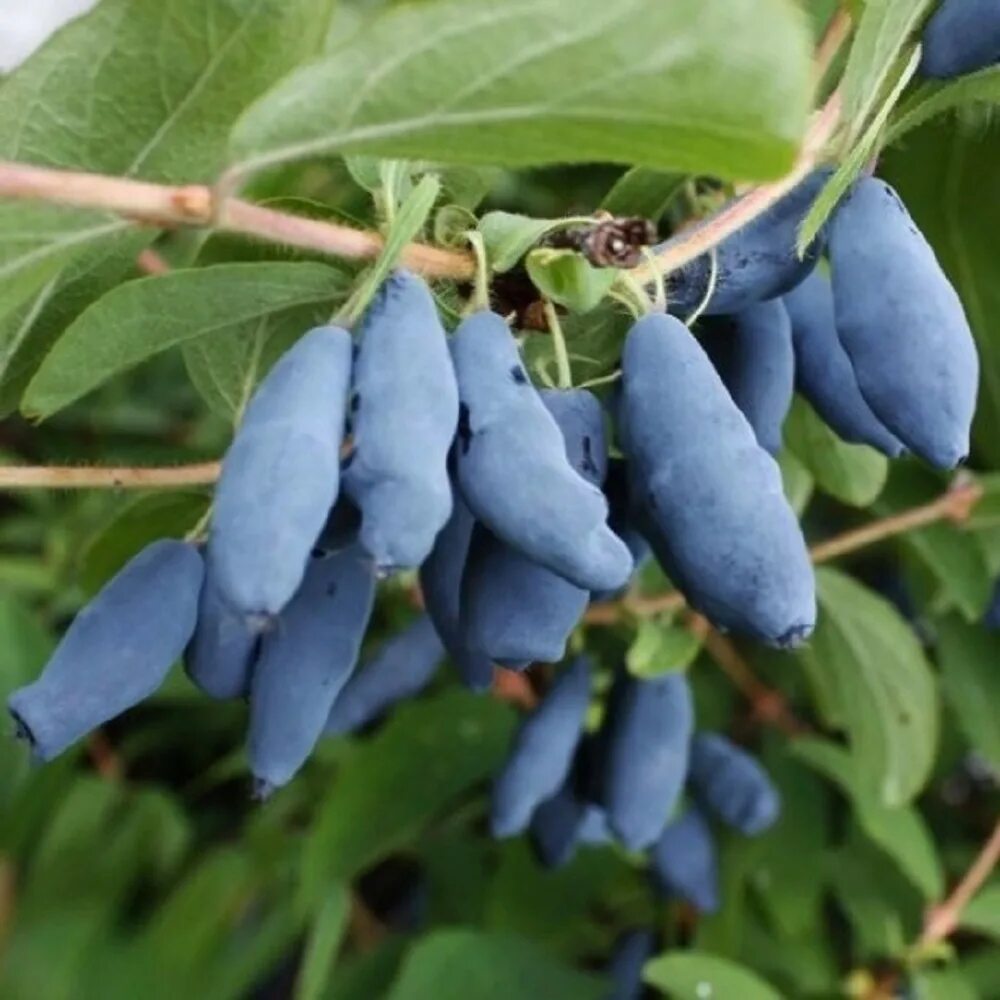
514,688
102,755
150,262
769,706
68,477
954,505
165,205
943,919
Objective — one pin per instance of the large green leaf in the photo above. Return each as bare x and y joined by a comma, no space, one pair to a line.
227,365
692,975
467,965
430,753
715,86
901,831
883,30
137,523
853,473
969,658
947,176
871,679
142,318
144,89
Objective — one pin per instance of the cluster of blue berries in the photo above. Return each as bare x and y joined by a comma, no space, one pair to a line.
405,449
626,781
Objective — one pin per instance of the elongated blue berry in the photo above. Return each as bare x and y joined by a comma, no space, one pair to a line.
646,756
220,657
555,827
684,862
281,475
631,952
621,520
542,755
824,373
960,37
991,619
441,583
752,351
402,668
709,498
902,325
404,408
117,651
513,608
731,784
305,659
513,470
756,263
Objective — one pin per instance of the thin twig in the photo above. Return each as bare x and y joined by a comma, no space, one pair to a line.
150,262
942,920
69,477
769,705
954,505
191,205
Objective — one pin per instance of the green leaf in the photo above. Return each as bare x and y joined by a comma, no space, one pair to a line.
552,908
797,481
566,278
226,366
508,237
935,98
901,831
710,86
137,523
870,678
408,222
27,335
188,69
142,318
782,861
983,912
469,965
883,30
852,473
322,945
426,756
37,241
643,192
693,975
969,660
943,984
948,179
661,647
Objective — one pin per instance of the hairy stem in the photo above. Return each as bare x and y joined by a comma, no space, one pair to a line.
69,477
